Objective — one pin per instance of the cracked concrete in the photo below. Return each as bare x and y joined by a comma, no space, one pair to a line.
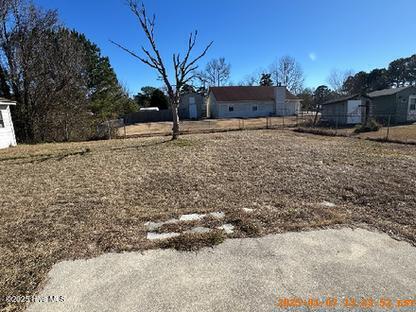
240,275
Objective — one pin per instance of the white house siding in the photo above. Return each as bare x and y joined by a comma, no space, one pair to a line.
245,109
212,106
7,136
290,108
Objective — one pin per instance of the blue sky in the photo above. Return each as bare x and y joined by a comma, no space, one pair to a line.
322,34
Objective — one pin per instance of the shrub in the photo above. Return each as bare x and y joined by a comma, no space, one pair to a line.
371,125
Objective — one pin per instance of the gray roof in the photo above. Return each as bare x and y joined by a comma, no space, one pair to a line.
6,101
387,92
341,99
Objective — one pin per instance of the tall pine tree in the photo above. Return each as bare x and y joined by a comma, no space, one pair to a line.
108,98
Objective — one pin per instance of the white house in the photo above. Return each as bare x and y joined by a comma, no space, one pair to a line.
7,136
252,101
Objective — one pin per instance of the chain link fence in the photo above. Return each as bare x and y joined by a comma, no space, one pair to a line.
208,125
381,127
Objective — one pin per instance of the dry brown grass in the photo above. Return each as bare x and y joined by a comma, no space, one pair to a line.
206,125
398,134
79,200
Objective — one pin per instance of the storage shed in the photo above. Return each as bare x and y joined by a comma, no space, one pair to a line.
191,106
398,103
349,110
7,135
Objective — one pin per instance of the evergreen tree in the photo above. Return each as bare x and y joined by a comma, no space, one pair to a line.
108,99
142,99
159,99
151,97
266,80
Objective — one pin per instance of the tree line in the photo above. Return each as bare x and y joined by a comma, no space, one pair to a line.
399,73
63,85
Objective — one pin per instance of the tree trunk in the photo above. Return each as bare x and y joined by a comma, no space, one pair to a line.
175,128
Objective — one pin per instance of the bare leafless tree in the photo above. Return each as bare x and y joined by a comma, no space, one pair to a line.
23,28
252,79
288,72
184,67
216,73
337,78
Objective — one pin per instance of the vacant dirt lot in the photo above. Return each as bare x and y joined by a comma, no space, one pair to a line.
64,201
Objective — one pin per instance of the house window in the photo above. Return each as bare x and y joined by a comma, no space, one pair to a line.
254,108
191,100
1,120
412,106
230,108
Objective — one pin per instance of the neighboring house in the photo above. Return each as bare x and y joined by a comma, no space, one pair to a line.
246,102
349,110
7,136
191,106
396,104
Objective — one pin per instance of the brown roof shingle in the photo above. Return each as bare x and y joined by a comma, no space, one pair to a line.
250,93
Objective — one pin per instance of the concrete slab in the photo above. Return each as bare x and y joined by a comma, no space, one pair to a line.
198,216
228,228
248,210
192,217
217,215
328,204
154,236
241,275
153,226
199,229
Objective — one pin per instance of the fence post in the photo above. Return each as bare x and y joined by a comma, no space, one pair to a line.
125,130
388,128
336,125
109,130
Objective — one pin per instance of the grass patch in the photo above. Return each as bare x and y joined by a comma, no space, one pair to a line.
194,241
245,224
370,126
319,131
386,140
181,142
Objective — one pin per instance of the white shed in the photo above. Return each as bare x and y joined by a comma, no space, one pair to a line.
7,136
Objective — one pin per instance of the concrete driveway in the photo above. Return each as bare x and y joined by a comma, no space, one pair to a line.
303,271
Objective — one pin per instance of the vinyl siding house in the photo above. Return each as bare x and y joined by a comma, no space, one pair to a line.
398,104
250,102
7,136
